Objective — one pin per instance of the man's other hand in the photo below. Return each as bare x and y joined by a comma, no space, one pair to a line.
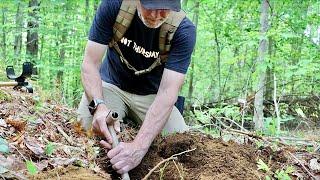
101,118
126,156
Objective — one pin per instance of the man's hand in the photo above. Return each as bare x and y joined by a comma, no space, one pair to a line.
101,118
126,156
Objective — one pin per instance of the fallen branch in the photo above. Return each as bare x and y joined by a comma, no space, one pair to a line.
266,139
295,139
245,133
61,131
232,121
299,162
173,157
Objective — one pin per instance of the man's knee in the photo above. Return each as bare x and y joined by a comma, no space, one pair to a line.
83,114
175,123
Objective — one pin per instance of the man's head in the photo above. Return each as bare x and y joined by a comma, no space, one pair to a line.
154,13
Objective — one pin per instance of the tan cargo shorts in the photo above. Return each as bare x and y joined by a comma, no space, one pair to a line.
132,106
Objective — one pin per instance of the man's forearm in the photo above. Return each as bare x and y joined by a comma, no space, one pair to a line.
91,81
90,75
155,119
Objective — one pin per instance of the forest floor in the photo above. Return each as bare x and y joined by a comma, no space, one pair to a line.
42,140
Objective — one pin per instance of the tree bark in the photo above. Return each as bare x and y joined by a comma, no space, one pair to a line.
195,20
87,11
18,37
219,61
32,32
4,37
270,74
263,48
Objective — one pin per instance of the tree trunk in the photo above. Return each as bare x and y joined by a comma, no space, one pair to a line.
62,43
87,11
263,48
195,20
270,74
219,62
32,32
4,37
18,37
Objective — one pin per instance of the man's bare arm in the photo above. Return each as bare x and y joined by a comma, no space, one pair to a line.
161,108
90,76
92,84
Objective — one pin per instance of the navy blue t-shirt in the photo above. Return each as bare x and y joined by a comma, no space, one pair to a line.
140,46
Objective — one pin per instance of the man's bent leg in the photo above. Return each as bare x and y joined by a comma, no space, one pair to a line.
140,105
84,116
175,123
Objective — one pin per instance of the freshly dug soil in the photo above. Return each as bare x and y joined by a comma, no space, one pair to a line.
212,159
69,173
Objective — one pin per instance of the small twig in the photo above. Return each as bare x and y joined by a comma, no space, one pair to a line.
276,106
180,174
245,133
206,125
156,167
298,161
241,127
58,177
173,157
61,131
20,153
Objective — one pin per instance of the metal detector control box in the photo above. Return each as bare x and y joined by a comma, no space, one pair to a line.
20,81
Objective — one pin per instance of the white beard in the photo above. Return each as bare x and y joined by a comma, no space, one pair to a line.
149,25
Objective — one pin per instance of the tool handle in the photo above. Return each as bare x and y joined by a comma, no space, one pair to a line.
4,84
114,136
115,143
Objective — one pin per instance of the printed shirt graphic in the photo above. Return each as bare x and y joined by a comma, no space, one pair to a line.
140,46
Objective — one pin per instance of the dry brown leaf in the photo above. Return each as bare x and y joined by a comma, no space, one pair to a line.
90,133
19,125
12,163
42,165
18,138
61,161
78,128
34,145
299,175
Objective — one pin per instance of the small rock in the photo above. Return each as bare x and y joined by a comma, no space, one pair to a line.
3,123
314,165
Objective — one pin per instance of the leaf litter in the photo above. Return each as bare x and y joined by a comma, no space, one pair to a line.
43,140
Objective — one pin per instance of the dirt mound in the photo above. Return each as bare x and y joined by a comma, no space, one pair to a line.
69,173
198,156
211,159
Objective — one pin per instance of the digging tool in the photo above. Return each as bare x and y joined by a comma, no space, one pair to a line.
115,140
20,81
